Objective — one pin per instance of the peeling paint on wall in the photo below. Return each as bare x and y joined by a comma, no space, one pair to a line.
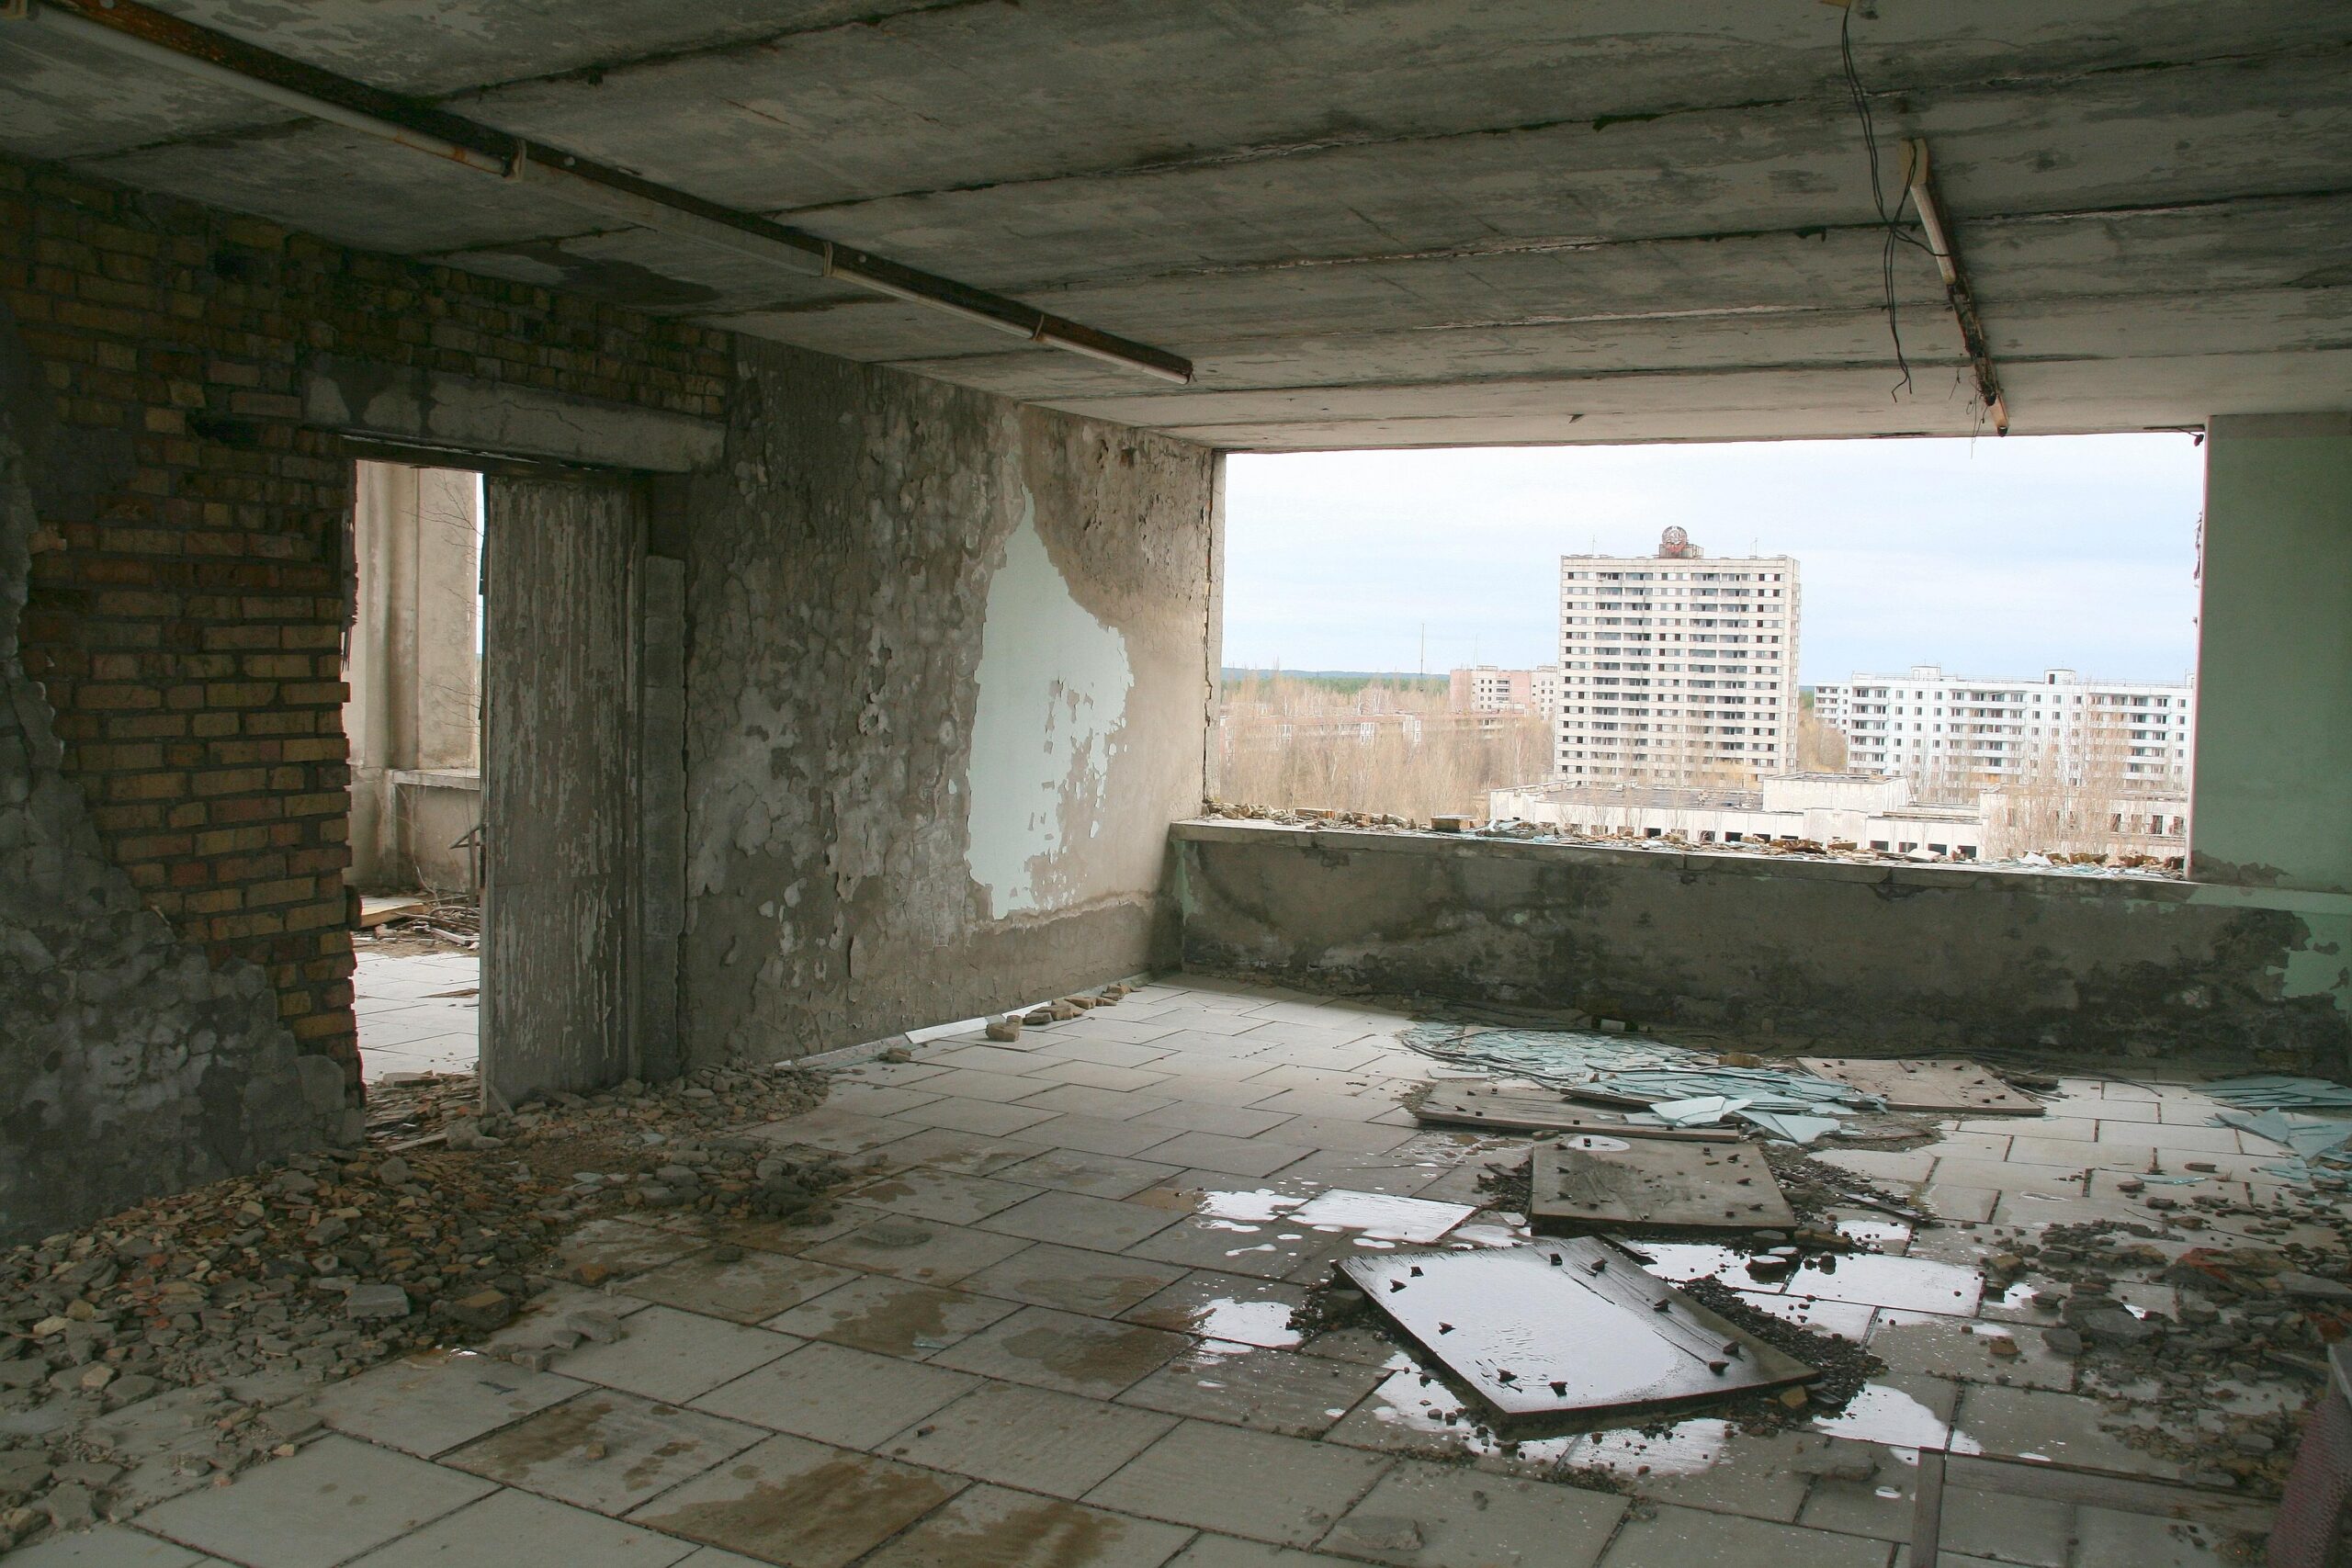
1054,684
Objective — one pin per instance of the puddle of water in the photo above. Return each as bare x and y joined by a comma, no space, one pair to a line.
1678,1262
1259,1206
1379,1214
1687,1448
1489,1235
1412,1401
1911,1284
1875,1233
1880,1414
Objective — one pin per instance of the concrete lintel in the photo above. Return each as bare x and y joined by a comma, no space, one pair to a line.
465,414
1731,864
2279,426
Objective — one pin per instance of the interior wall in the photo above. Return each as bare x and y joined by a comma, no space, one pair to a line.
947,687
2274,668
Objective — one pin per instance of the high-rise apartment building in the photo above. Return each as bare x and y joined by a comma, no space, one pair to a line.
2057,728
1674,667
1484,688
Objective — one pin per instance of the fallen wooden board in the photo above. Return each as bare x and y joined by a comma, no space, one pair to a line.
1589,1182
1562,1328
1955,1087
1538,1111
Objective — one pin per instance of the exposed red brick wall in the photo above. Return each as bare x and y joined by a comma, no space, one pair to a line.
187,616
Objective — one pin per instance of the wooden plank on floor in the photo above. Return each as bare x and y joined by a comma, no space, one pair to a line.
1540,1111
1954,1086
1589,1182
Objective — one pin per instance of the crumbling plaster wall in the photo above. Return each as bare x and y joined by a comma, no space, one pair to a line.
131,1065
945,691
1851,957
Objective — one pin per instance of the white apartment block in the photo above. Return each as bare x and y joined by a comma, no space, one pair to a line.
1674,667
1484,688
2059,728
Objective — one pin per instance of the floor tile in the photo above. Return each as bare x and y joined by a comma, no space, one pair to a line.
984,1116
1241,1482
1064,1351
2063,1428
333,1500
755,1286
892,1317
1968,1351
2107,1539
614,1249
878,1100
1193,1116
1235,1308
926,1251
606,1451
1111,1104
1096,1134
967,1153
428,1404
1097,1075
511,1528
1096,1175
1692,1538
1003,1084
990,1527
2033,1531
1249,1385
929,1194
1214,1151
800,1504
1075,1279
835,1131
1228,1551
1700,1462
110,1546
667,1354
1423,1513
1270,1251
835,1394
1035,1439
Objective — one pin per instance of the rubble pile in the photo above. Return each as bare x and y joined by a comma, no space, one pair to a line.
158,1349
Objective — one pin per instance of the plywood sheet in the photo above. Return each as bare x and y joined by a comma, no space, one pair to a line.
1587,1183
1562,1328
1958,1087
1537,1110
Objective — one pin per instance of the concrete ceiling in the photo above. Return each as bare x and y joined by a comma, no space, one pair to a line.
1368,222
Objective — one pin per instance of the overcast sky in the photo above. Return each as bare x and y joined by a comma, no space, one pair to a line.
1993,556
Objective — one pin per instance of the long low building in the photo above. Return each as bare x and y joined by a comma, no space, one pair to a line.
1859,810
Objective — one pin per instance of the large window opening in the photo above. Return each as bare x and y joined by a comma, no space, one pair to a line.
1937,649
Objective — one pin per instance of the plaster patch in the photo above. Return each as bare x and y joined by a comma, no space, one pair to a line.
1053,699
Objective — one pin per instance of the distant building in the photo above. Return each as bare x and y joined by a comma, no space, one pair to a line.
1676,669
1484,688
1858,811
2058,729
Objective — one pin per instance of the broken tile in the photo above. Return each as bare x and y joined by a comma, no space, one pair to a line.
430,1403
1240,1483
673,1354
605,1452
1249,1385
835,1394
1035,1439
798,1503
1426,1514
892,1317
755,1286
510,1528
1065,1351
990,1527
928,1251
1513,1324
1076,1220
333,1500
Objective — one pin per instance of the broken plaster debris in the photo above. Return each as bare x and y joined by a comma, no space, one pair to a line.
1559,1328
2280,1093
176,1343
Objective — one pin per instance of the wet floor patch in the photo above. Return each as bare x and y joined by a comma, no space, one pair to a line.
893,1318
797,1501
603,1451
1065,1351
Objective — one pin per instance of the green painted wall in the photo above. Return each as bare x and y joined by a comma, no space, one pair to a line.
2274,681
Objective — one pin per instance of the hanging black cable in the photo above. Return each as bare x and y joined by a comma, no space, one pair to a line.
1888,217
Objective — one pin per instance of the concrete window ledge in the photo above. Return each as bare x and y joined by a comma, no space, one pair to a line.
437,778
1872,958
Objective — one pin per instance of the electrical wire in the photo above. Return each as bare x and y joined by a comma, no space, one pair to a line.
1888,218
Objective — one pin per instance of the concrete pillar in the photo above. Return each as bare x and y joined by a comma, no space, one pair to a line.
414,668
2274,681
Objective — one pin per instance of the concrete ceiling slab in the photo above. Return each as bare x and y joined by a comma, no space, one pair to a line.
1366,224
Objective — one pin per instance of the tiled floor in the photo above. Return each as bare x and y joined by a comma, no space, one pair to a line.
1026,1342
418,1013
